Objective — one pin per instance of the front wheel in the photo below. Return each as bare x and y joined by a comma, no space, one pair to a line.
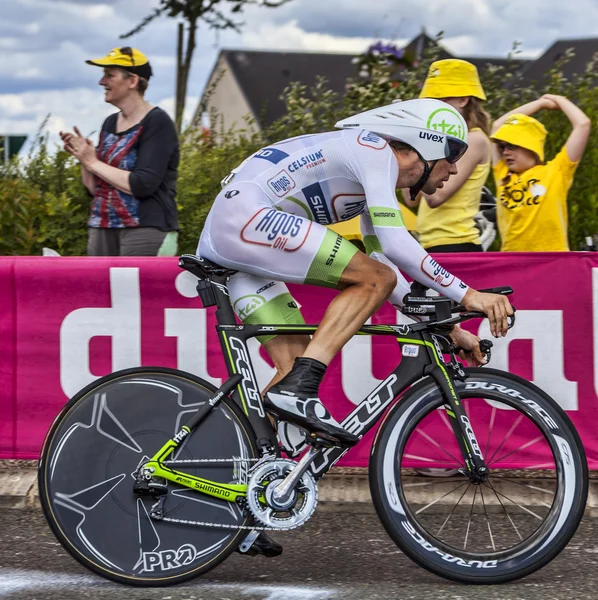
510,525
87,472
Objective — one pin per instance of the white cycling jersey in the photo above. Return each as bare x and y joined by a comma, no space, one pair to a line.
268,219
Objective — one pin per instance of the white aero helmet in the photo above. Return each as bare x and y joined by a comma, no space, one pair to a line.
431,127
434,129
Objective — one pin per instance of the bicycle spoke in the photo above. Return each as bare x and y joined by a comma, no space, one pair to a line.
445,419
434,482
453,510
514,426
531,487
435,443
531,512
526,445
416,457
506,511
470,515
487,520
490,430
421,510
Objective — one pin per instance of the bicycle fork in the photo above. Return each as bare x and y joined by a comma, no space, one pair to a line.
468,444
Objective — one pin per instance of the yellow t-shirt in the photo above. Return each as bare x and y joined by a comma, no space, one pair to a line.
452,222
532,206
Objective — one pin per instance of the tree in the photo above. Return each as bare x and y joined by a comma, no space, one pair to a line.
193,11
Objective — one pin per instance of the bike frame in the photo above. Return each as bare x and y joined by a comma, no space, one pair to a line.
422,356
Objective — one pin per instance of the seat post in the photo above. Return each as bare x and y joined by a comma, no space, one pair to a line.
225,315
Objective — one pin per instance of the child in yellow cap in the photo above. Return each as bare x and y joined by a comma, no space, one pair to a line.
532,196
445,220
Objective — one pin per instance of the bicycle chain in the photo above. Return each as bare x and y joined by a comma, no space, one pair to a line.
220,525
210,460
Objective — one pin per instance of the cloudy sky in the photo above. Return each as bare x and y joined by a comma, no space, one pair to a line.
43,43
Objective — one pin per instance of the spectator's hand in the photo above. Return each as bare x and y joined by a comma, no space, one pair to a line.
81,148
67,137
470,343
550,102
496,307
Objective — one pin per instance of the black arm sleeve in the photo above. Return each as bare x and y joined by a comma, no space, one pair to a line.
157,143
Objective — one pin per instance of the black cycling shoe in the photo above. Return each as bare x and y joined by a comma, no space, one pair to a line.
264,546
308,413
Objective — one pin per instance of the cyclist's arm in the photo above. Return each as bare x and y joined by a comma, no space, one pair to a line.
377,172
399,246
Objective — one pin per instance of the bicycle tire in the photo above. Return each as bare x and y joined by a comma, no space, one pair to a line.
447,560
100,437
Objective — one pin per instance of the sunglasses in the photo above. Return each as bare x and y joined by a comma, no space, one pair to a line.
454,149
502,146
128,51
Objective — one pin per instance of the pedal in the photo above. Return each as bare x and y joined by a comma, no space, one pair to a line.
245,546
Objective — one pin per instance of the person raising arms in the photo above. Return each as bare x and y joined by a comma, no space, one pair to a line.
532,194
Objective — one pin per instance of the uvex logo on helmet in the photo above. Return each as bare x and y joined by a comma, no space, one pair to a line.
446,121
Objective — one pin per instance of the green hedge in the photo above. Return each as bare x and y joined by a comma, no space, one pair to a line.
43,203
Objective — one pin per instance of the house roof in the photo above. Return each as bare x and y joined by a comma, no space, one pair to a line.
584,48
264,75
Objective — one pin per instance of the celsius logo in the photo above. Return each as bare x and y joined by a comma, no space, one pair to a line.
281,183
276,229
371,140
447,121
309,161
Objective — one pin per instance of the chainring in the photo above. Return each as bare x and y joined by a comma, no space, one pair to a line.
263,479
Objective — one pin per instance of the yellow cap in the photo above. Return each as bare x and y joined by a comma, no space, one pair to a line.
522,130
452,78
127,58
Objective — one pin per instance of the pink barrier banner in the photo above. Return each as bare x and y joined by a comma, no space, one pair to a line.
67,321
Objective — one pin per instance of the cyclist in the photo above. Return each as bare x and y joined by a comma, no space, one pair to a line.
268,223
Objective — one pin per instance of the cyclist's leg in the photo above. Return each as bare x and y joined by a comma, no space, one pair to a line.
365,283
263,241
260,301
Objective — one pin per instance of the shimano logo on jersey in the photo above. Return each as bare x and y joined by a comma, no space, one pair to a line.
371,140
281,183
335,249
315,198
272,154
392,215
434,271
309,161
280,230
424,135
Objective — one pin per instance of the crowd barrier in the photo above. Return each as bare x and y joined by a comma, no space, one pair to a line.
66,321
